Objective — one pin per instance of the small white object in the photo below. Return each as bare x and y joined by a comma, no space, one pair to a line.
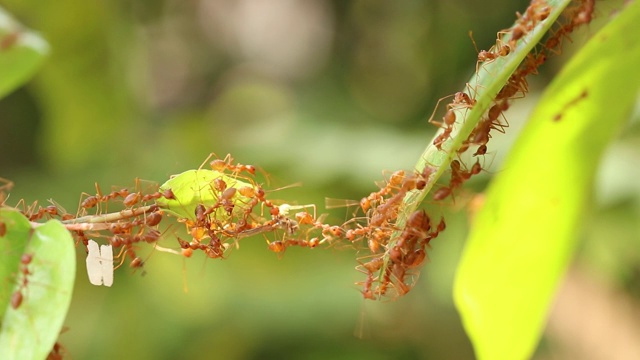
106,254
94,265
284,209
100,264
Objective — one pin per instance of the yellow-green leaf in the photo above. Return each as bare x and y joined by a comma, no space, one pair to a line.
523,238
194,187
21,53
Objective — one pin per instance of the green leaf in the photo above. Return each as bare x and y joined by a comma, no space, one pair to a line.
523,238
12,244
31,330
21,53
194,187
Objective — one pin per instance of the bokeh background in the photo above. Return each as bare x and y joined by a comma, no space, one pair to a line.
328,93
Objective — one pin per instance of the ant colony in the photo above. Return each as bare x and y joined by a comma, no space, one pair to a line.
222,202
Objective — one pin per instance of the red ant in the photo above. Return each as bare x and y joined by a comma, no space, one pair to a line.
537,11
500,49
482,150
224,200
367,293
584,13
57,352
399,272
458,177
118,193
418,223
168,194
9,40
395,181
226,164
93,200
494,113
387,211
5,185
440,139
442,226
17,297
51,210
281,246
460,100
153,219
415,259
516,83
442,193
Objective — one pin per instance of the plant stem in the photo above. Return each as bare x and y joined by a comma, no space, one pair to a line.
111,217
490,79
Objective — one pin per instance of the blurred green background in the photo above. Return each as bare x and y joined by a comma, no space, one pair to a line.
327,93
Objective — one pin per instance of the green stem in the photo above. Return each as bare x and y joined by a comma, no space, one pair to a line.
120,215
490,79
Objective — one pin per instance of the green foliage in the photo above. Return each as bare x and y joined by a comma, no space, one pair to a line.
30,330
21,53
525,235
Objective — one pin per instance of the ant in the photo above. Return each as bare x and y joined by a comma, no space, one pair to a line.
584,13
281,245
418,224
58,351
17,297
415,258
224,200
399,272
5,185
9,40
481,150
168,194
367,292
442,193
92,200
461,100
444,136
516,83
494,113
395,181
458,177
369,268
153,218
498,50
226,164
537,11
388,210
51,210
123,193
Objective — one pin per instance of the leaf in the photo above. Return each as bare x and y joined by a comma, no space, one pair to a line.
194,187
17,231
31,330
523,238
21,53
